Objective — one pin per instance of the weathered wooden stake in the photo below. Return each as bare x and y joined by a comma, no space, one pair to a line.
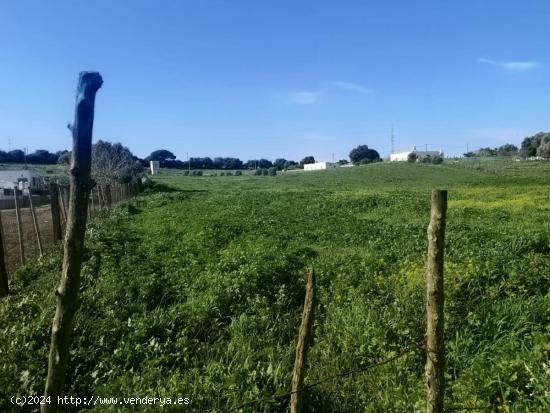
19,227
108,199
35,224
435,346
56,215
80,186
302,346
100,199
63,209
93,202
4,285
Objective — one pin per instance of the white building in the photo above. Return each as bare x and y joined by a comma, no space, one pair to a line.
318,166
404,156
155,166
23,179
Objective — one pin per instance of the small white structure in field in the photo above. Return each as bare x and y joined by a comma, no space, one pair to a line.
155,166
23,179
318,166
404,156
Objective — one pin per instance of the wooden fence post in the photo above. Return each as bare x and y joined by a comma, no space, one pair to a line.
108,199
435,346
19,227
35,224
56,215
63,209
302,346
4,285
69,284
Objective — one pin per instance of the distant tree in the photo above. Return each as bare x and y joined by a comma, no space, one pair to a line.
64,158
307,160
485,152
437,159
264,164
530,145
412,157
426,159
544,150
469,154
16,156
279,163
42,156
507,150
112,162
291,165
161,155
342,162
363,152
251,164
4,157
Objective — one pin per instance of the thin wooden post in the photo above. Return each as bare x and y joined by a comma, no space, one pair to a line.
35,224
100,199
302,346
19,226
69,284
108,199
63,209
56,215
93,203
435,346
4,284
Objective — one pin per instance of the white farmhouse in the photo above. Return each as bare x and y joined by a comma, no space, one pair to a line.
23,179
404,156
318,166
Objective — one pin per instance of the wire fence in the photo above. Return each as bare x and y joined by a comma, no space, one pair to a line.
28,221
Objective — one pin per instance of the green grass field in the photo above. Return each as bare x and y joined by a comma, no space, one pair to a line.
195,290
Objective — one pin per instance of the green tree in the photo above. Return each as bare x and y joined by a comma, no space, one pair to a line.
363,152
544,150
307,160
161,155
412,157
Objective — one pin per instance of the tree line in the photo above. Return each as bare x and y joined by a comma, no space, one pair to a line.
167,159
537,145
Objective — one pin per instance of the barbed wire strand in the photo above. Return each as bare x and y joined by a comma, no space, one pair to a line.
400,354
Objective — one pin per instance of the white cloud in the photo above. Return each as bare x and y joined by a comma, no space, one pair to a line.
305,98
352,87
515,66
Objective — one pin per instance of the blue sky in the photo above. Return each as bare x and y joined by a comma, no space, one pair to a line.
277,78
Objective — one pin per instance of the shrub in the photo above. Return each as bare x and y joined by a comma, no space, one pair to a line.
413,157
229,174
222,173
185,173
264,172
272,171
238,173
257,172
437,159
426,159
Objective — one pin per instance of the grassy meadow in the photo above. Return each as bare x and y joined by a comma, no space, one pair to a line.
195,290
